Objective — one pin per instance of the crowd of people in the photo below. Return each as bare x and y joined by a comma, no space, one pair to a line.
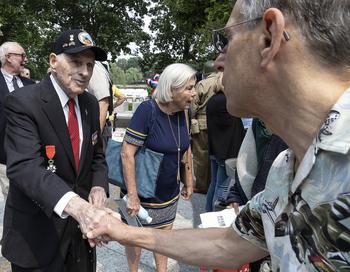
285,63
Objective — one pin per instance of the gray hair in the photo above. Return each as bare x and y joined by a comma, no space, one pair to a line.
174,76
325,24
4,49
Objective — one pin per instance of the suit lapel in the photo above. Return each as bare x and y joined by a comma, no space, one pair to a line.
85,119
3,87
53,109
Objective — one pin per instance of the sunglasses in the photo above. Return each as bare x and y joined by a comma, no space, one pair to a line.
221,39
22,55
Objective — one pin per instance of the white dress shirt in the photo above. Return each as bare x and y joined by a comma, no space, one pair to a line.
8,79
62,203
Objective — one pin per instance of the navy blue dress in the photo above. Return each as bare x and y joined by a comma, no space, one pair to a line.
160,139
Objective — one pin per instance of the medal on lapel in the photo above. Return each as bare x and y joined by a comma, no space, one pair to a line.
50,153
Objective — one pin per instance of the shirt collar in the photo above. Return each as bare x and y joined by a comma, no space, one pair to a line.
61,94
8,77
334,134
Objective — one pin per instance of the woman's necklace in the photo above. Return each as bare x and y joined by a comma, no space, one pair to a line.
178,144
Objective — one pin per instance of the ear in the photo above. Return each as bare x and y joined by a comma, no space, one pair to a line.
53,62
274,24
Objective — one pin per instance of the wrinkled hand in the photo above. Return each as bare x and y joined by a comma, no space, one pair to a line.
104,238
186,192
111,227
97,197
87,215
113,213
133,205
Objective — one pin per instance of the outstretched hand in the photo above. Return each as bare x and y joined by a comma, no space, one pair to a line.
87,215
103,238
110,227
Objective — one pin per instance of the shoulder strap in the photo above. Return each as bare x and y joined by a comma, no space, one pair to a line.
110,98
153,120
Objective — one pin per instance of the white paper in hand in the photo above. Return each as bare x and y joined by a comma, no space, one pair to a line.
221,219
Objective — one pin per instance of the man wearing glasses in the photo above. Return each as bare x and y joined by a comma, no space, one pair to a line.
13,58
286,62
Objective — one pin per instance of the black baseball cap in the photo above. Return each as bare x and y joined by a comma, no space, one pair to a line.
77,40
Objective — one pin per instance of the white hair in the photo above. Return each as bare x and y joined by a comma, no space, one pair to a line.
4,49
175,76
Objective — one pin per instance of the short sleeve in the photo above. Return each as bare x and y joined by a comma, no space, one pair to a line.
249,225
137,130
99,83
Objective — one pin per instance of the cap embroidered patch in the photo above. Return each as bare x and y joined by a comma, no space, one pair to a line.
75,41
85,38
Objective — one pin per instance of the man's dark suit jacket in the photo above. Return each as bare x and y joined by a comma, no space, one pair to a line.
32,230
3,92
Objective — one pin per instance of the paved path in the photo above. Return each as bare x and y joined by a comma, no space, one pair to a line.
112,257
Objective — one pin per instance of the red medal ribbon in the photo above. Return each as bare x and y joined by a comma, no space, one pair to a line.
50,151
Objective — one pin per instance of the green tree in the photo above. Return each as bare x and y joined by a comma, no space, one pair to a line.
182,31
117,74
133,75
36,23
126,63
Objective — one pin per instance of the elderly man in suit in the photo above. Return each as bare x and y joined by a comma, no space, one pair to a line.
55,164
13,58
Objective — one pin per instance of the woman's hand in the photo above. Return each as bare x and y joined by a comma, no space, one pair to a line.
127,155
235,206
187,192
133,205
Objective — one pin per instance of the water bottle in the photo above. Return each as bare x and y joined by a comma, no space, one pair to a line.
143,214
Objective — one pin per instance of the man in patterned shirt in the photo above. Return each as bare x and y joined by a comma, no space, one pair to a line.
286,62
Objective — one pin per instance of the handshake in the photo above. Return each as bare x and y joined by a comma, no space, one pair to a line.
95,221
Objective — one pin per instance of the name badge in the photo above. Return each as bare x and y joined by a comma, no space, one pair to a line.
94,138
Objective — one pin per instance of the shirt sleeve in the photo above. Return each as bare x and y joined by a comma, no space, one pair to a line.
249,224
137,130
62,203
99,83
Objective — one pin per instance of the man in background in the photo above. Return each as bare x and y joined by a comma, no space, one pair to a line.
205,90
13,58
100,86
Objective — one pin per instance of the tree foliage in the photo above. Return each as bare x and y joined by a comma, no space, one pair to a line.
180,28
36,23
126,71
182,31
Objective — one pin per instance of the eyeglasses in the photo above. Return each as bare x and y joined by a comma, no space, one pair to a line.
221,39
22,55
